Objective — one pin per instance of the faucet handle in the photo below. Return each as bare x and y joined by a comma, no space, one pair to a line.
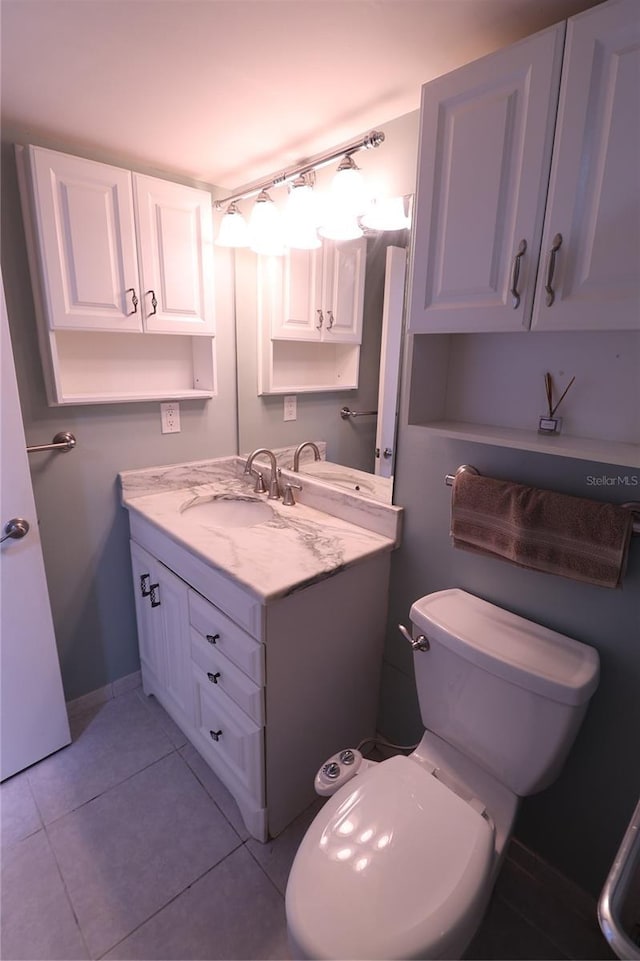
260,486
288,500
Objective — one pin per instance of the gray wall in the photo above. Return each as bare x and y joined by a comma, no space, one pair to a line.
84,530
577,823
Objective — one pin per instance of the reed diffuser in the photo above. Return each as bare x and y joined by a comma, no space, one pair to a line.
551,424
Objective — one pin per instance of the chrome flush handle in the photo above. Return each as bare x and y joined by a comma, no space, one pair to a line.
420,643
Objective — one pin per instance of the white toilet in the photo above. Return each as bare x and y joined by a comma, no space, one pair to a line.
401,860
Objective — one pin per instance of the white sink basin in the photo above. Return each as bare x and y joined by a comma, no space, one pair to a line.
226,511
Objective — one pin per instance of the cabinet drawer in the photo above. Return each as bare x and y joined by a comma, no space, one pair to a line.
233,737
220,632
223,675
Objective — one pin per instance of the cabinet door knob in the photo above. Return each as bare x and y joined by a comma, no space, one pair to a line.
556,244
216,735
134,300
515,274
145,590
213,677
213,638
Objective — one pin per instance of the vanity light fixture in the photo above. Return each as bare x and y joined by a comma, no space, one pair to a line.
387,213
301,215
349,193
234,231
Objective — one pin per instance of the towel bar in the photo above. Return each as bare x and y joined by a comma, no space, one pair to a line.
631,505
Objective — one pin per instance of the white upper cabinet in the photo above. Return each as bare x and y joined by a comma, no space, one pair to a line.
315,295
594,193
87,242
489,137
120,251
176,256
485,148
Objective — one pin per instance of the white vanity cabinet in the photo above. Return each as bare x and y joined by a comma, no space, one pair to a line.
115,258
265,691
484,227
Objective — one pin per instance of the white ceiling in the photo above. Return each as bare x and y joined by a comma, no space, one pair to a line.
226,91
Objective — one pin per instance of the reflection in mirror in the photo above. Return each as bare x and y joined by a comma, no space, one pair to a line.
351,441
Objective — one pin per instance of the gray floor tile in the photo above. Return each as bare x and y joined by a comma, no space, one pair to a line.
216,789
505,935
110,743
36,917
233,912
159,714
124,855
276,857
18,812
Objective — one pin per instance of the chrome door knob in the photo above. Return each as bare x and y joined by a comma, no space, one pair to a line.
16,528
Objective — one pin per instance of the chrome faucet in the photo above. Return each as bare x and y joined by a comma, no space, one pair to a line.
274,487
300,448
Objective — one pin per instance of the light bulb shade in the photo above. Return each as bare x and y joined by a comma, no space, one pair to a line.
348,189
301,218
386,213
341,228
233,229
265,227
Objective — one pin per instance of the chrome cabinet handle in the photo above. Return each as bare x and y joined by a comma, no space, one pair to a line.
145,590
154,303
16,528
134,300
331,319
515,274
154,594
556,244
320,320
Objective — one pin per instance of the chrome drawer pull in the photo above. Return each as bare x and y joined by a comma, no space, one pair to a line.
216,735
213,638
213,677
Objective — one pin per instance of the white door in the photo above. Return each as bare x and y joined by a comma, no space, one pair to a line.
84,220
292,294
594,193
344,270
33,716
392,308
175,235
485,149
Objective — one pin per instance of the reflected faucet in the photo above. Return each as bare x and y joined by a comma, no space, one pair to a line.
300,448
274,487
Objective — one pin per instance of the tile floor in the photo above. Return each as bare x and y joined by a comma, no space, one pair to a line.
126,845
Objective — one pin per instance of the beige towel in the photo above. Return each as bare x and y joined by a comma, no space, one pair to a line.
572,536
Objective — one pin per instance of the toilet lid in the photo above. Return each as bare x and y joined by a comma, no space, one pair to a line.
394,866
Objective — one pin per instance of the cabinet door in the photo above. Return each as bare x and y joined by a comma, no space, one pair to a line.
176,256
594,192
485,149
291,290
150,636
172,612
84,220
344,271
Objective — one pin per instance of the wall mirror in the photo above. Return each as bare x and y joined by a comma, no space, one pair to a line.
352,441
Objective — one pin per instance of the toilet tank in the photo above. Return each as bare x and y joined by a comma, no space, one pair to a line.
508,693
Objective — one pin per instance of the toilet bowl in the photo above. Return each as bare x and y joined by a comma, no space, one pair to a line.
401,860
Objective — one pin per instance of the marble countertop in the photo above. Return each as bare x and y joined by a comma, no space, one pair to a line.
295,547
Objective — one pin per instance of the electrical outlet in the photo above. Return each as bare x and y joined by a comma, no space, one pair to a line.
290,407
170,418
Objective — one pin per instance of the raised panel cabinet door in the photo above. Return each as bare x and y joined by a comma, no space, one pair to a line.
589,274
344,272
485,149
172,598
292,286
85,224
175,243
150,634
